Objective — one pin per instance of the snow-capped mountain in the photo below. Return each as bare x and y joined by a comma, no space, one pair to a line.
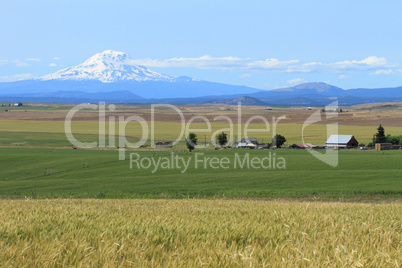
114,76
112,71
111,76
107,67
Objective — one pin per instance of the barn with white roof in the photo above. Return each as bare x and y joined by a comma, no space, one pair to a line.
341,141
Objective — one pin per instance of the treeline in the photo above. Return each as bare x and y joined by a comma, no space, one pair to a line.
380,137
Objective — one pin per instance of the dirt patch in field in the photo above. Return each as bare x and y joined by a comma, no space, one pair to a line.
32,115
161,116
359,115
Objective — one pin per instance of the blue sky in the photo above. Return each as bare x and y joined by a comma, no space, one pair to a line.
263,44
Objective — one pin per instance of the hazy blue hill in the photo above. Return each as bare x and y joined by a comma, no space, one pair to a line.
311,88
245,100
376,92
184,88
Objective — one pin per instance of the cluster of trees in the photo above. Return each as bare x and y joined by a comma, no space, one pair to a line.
394,139
191,140
222,140
279,140
380,137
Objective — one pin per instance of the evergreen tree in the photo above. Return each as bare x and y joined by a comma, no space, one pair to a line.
380,137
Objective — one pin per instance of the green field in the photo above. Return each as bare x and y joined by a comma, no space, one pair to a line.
55,172
37,160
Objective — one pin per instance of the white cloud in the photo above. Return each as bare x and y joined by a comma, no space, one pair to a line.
223,63
204,62
4,61
245,75
269,64
20,63
16,77
342,76
56,58
17,62
304,68
380,72
52,64
375,61
367,63
295,81
33,59
272,64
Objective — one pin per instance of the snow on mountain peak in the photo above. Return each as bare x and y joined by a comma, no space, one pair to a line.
108,66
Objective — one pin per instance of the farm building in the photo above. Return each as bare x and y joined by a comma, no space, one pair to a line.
300,146
341,141
251,145
239,145
249,140
244,145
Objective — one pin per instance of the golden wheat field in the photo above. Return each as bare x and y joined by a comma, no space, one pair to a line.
195,233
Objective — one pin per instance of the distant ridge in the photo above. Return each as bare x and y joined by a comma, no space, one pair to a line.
311,88
246,101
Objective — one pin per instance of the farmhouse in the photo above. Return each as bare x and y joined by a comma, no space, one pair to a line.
341,141
244,145
248,142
